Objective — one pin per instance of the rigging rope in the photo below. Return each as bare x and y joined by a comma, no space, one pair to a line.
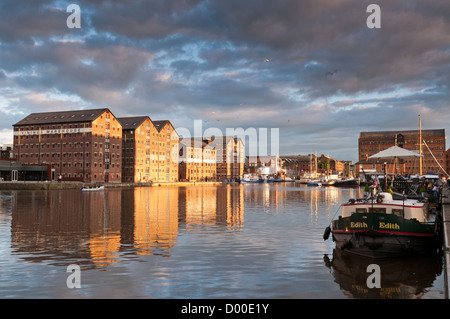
435,158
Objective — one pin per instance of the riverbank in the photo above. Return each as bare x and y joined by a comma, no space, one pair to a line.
78,185
446,217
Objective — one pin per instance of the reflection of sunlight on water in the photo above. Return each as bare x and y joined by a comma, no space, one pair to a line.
104,248
212,249
208,208
155,220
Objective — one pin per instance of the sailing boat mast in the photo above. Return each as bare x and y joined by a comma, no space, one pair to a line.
315,162
420,146
310,163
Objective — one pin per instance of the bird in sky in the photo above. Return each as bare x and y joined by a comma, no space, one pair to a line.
331,73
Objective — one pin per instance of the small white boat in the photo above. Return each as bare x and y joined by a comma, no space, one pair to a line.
308,177
250,178
314,183
92,188
328,183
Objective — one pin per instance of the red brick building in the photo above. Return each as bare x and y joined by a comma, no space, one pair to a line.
230,156
164,152
82,145
197,160
328,165
136,133
448,161
370,143
149,150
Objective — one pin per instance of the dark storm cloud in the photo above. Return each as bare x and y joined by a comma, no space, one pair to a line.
28,20
310,67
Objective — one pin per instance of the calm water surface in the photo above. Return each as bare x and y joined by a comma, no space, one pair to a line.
234,241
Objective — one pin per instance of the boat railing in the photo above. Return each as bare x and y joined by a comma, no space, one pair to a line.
358,200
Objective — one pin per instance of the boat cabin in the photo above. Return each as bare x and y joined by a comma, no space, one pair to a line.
407,208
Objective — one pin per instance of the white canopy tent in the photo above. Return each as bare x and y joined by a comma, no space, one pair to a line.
395,152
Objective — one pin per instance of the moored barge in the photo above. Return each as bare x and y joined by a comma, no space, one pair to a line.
384,226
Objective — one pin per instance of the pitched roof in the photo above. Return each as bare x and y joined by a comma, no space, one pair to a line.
193,142
160,124
296,158
215,140
131,123
61,117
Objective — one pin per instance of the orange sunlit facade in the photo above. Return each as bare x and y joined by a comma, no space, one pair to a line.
197,160
149,150
164,153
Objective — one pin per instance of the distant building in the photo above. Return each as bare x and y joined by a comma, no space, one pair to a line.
12,170
349,168
266,165
197,160
230,156
6,151
328,165
82,145
370,143
296,166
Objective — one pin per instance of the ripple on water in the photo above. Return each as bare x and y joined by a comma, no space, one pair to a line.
262,241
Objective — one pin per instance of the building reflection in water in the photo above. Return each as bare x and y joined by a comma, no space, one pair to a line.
274,198
329,197
66,225
153,213
203,207
94,229
271,197
104,222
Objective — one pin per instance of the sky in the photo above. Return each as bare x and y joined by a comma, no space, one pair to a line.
312,69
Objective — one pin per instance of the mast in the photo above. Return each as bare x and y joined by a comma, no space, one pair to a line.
310,163
315,162
420,146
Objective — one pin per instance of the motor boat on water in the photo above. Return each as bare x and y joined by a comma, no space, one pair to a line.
92,188
250,178
314,183
347,182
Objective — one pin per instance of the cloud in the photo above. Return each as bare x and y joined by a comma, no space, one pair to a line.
25,21
257,63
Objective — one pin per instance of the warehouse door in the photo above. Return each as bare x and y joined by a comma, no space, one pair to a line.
14,175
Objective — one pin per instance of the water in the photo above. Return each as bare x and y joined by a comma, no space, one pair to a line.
233,241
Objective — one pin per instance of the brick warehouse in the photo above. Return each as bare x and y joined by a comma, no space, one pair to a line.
230,156
166,152
197,160
82,145
370,143
149,150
